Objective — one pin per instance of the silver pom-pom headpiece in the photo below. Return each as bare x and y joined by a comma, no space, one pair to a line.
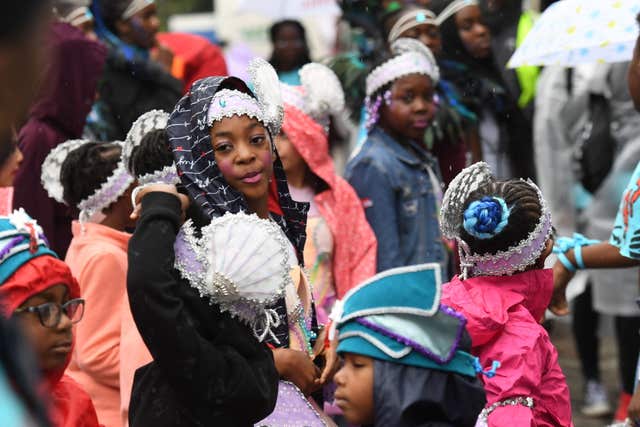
148,122
266,107
52,166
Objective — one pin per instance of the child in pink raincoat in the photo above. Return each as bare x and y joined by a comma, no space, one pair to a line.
503,230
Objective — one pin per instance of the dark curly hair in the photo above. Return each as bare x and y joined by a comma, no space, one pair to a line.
152,154
111,11
86,168
524,213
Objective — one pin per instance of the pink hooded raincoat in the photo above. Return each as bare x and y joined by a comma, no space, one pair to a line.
503,315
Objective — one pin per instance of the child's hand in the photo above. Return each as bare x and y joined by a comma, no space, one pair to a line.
561,277
164,188
297,367
330,356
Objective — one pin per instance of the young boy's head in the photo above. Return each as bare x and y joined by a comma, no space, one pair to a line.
399,346
39,291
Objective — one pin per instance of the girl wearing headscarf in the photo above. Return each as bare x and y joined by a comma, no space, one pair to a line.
39,291
137,75
340,251
220,137
467,61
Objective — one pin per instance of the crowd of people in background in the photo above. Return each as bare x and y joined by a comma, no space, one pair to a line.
352,240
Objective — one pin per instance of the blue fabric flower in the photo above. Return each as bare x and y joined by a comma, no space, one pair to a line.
486,218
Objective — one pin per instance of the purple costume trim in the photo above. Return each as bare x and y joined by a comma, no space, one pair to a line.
12,244
416,346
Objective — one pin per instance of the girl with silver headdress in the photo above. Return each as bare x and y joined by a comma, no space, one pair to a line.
393,174
216,281
93,177
450,138
503,230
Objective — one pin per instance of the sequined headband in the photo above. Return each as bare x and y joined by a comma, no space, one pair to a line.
409,20
228,103
107,193
453,8
134,7
411,57
514,259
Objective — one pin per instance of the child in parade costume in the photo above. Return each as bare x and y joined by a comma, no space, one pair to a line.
407,358
449,139
340,251
40,292
93,177
393,174
503,230
220,134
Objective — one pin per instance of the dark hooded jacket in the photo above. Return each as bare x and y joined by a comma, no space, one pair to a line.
208,368
409,396
58,115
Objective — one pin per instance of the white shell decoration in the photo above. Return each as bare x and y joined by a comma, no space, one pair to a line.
242,263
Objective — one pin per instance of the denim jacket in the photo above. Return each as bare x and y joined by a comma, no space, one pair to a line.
401,203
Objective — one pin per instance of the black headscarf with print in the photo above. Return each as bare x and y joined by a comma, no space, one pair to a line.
190,141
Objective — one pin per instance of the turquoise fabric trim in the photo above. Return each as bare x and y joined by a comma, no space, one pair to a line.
374,296
462,363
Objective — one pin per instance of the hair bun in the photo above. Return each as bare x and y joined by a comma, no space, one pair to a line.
486,218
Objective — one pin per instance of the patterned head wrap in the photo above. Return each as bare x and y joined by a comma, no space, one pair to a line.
190,140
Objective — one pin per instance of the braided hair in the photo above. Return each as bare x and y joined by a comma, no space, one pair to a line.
152,154
499,215
86,168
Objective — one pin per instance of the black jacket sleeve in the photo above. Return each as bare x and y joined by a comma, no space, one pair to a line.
226,369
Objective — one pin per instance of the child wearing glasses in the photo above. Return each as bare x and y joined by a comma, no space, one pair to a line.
39,291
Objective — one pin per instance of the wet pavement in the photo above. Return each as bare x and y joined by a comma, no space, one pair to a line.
563,340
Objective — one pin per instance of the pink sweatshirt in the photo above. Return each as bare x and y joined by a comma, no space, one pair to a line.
98,259
503,315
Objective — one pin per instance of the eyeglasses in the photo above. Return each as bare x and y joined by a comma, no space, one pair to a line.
50,313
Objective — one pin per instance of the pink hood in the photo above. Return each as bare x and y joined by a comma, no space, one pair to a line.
354,259
503,315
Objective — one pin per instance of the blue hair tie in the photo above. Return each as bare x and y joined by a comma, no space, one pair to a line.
489,373
486,218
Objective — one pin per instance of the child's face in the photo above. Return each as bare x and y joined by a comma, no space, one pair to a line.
292,161
473,32
52,345
428,34
354,394
244,155
412,108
